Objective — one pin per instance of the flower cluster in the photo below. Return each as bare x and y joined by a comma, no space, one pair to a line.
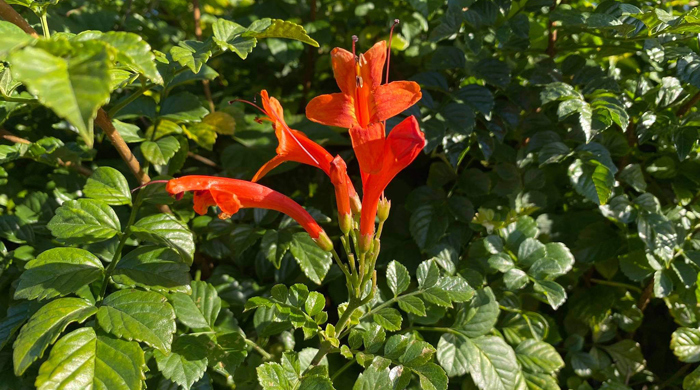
363,106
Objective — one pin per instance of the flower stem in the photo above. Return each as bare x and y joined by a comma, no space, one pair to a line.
45,25
259,349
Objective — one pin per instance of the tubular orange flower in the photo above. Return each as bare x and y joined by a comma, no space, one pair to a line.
231,195
339,177
296,146
363,99
402,146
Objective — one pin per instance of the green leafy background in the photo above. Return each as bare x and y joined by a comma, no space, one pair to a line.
547,238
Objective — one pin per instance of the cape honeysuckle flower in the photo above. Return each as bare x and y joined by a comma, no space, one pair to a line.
363,98
231,195
296,146
401,147
339,178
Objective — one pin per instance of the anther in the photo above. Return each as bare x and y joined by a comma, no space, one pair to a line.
354,41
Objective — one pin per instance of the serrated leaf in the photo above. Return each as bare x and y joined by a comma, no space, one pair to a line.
431,376
144,316
685,343
16,316
192,54
44,327
488,359
165,229
84,221
229,36
153,268
427,225
276,28
13,37
592,179
200,309
397,277
74,87
480,316
313,261
539,357
413,305
108,185
427,274
627,356
553,292
388,318
275,244
161,151
58,272
187,361
96,361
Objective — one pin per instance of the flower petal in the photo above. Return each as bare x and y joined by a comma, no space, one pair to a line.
368,144
343,63
394,98
267,167
227,202
376,59
335,109
202,201
273,108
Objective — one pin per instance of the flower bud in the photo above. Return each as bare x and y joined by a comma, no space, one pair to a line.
324,242
383,209
365,242
345,222
355,204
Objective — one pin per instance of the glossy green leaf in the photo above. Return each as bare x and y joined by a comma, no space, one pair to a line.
153,268
313,261
108,185
165,229
84,221
397,277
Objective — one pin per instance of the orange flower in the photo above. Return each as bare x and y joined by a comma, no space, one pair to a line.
401,147
339,177
363,99
231,195
296,146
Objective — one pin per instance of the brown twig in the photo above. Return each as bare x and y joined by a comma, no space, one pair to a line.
552,34
688,105
198,34
8,136
646,295
202,159
9,14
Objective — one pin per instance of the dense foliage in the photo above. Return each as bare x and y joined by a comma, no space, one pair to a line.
546,238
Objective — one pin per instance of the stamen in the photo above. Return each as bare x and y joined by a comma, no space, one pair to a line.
354,40
388,54
249,103
148,184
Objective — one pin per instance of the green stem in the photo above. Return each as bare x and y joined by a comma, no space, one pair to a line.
339,326
259,349
342,369
18,99
45,25
120,247
617,284
435,329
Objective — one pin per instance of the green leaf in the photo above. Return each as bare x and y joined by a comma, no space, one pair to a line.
491,362
663,284
183,107
553,292
692,380
192,54
44,327
229,36
480,316
74,87
314,303
413,305
428,224
515,279
161,151
272,376
275,245
133,51
431,376
16,316
164,229
592,179
58,272
200,309
153,268
13,37
96,361
84,221
108,185
313,261
539,357
397,277
15,230
685,343
276,28
427,274
144,316
557,261
187,361
202,134
316,382
627,356
388,318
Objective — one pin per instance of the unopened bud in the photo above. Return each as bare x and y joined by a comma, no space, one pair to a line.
345,222
324,242
365,242
355,204
383,209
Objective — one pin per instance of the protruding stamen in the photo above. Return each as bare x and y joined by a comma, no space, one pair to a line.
354,41
148,184
249,103
388,54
